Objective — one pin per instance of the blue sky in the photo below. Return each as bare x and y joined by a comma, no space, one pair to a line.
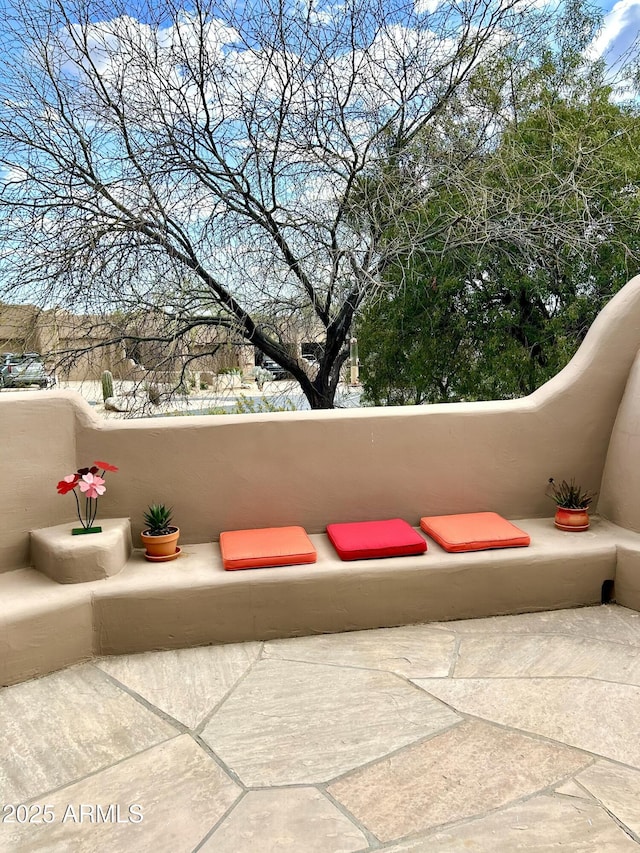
621,27
620,31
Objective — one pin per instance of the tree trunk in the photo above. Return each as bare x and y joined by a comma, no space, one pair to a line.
320,398
321,390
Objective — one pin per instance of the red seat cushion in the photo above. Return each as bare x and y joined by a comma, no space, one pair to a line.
265,547
474,531
363,540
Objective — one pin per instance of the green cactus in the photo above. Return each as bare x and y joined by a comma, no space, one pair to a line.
107,384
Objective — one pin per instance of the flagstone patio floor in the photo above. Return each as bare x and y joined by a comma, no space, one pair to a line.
515,733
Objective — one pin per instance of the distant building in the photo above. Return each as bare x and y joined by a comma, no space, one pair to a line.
70,345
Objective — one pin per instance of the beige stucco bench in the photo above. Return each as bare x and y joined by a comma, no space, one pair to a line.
313,468
193,601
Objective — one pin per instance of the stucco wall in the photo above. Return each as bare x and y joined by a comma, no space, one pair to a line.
312,468
620,496
37,441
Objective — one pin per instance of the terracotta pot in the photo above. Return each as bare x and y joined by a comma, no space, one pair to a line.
161,548
573,520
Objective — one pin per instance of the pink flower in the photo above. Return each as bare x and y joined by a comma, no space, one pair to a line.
68,484
92,485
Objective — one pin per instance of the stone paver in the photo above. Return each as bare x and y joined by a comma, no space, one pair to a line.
617,788
62,727
614,623
289,820
185,683
572,789
165,799
597,716
464,772
496,735
540,825
416,651
547,656
289,722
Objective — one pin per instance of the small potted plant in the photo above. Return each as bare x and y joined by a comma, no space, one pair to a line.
572,505
160,538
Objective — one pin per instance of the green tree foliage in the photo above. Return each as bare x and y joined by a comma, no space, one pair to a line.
541,229
194,169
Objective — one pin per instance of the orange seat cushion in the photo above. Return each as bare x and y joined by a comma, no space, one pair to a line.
365,540
265,547
474,531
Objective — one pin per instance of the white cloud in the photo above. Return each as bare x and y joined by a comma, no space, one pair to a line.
427,6
619,32
422,7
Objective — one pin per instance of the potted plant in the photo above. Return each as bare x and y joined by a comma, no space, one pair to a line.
572,505
91,485
160,538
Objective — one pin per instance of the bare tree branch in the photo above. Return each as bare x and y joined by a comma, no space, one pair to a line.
210,160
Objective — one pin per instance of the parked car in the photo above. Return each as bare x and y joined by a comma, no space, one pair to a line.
21,371
274,369
311,365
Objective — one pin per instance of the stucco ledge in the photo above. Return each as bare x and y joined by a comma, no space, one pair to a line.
45,625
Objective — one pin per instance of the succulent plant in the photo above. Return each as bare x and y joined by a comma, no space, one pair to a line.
570,496
158,520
